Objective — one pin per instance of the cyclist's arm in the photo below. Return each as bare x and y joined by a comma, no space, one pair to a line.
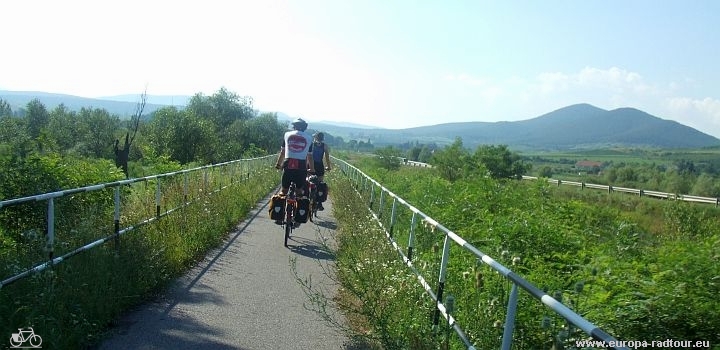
281,157
310,162
327,156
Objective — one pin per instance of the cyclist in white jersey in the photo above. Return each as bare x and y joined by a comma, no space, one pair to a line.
294,157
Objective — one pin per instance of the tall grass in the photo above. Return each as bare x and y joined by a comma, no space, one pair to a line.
71,304
646,274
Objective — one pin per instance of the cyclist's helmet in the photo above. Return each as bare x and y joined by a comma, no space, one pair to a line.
299,124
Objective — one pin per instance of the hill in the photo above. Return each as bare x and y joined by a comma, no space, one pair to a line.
124,107
580,126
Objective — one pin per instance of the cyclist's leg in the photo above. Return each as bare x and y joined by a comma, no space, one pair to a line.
285,181
299,176
319,169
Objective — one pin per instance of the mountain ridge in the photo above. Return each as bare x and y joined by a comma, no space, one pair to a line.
578,126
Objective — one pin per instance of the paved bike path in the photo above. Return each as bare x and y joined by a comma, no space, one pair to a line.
243,295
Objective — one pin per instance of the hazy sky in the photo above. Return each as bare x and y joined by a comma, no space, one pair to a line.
387,63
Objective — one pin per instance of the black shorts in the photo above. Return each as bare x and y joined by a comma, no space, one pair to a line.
319,168
298,175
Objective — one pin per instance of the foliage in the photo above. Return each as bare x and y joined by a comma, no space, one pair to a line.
5,109
72,303
692,171
41,174
388,158
640,270
455,162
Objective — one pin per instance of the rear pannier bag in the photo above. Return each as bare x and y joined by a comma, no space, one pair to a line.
302,210
277,207
322,191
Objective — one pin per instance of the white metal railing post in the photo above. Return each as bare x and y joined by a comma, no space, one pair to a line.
510,318
186,186
443,275
157,198
116,218
372,195
411,239
393,216
205,181
50,243
382,203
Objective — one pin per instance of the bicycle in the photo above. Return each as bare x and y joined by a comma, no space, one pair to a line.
313,195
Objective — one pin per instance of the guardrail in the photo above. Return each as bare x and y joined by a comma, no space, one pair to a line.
364,184
639,192
242,168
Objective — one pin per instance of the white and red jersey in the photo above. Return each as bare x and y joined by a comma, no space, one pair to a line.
297,144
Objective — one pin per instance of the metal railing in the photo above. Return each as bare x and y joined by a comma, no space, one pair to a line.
363,183
639,192
241,168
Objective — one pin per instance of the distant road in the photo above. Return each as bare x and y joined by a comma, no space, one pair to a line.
241,296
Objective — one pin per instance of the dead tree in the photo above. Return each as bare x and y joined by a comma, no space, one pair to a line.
122,155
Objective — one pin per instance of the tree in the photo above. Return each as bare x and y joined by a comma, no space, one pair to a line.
388,158
63,128
37,117
14,138
451,161
122,154
5,109
180,135
425,154
98,128
546,172
500,162
414,153
706,185
222,108
265,131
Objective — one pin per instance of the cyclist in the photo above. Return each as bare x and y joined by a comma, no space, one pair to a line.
295,156
320,153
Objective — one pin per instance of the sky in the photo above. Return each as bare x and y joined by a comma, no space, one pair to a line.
383,63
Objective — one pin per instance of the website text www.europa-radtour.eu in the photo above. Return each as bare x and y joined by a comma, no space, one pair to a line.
639,344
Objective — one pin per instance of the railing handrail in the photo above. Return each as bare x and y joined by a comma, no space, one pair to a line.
60,193
555,305
641,192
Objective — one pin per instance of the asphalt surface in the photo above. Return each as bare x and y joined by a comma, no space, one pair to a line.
243,295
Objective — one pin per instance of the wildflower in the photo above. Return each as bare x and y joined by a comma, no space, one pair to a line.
498,324
516,260
579,286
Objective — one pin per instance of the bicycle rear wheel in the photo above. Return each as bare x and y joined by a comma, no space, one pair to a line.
288,228
289,215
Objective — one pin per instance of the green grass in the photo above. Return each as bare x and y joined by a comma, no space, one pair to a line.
72,304
641,270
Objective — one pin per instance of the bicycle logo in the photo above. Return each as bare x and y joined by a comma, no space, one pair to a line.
25,335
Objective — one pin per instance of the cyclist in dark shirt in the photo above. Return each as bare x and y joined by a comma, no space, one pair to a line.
321,158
